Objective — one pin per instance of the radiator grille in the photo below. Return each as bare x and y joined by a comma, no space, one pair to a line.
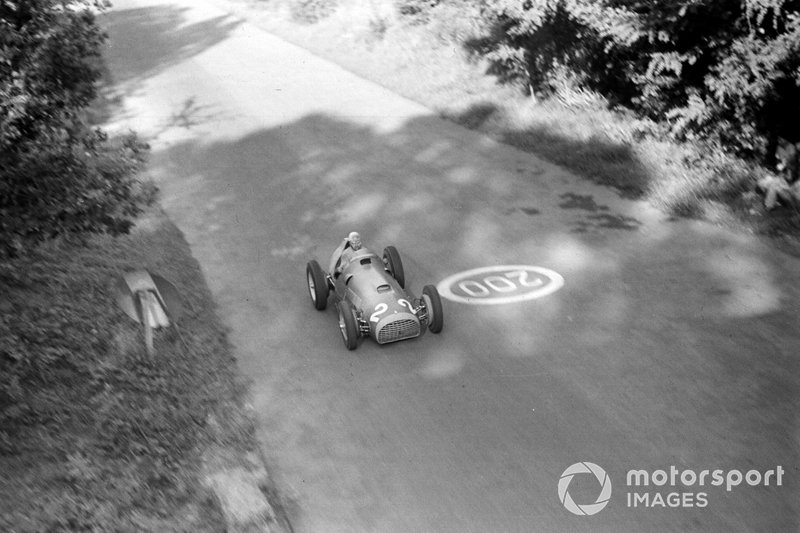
396,329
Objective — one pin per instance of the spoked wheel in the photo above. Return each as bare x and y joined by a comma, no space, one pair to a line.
347,325
317,285
434,304
391,257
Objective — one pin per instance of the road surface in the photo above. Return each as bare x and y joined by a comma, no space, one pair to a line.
671,343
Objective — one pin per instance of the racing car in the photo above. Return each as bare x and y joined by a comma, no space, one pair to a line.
370,296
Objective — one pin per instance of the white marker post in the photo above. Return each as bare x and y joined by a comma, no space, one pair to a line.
140,296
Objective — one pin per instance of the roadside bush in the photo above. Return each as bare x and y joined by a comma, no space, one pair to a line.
726,72
312,11
416,8
455,22
57,175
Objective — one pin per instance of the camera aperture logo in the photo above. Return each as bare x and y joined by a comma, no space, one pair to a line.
588,508
664,488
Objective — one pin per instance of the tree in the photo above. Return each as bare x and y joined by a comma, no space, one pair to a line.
725,71
57,175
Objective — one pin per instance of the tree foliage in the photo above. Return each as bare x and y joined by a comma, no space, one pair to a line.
57,175
727,71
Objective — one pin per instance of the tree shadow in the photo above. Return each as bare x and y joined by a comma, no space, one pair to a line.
598,158
716,189
596,220
170,39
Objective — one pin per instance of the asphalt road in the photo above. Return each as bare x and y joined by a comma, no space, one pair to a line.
670,343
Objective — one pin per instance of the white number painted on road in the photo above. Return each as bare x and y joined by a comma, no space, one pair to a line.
467,286
496,284
500,284
522,278
379,310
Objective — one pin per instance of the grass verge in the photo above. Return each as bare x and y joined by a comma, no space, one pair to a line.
429,58
93,436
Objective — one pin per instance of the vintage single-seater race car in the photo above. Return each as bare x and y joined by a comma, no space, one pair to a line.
370,296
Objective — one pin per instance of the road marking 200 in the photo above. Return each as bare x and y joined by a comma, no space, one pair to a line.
500,284
497,284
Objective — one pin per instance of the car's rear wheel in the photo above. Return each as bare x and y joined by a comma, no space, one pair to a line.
391,257
434,304
347,325
317,285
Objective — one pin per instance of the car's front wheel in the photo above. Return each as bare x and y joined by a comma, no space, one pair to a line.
434,304
391,257
317,285
347,325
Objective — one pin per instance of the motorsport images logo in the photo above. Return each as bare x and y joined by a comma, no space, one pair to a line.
664,488
589,508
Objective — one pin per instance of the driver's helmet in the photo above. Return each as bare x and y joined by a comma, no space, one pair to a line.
355,240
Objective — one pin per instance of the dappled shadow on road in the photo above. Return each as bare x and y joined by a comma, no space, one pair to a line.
170,36
682,181
596,157
680,332
596,220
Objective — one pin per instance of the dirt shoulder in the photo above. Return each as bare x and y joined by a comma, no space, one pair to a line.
94,435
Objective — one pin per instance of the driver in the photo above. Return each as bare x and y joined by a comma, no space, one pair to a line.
355,241
352,245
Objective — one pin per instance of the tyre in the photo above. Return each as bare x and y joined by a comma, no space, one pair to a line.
317,285
434,304
391,257
347,325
